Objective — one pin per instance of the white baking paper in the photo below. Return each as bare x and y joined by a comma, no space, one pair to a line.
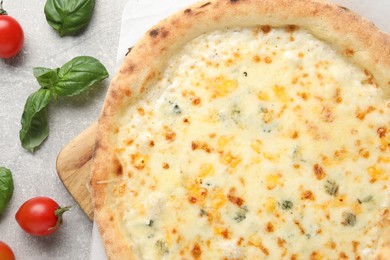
140,15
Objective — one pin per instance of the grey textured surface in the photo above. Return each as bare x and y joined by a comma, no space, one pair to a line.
35,174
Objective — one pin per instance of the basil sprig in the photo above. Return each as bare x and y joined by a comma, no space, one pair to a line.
6,188
68,17
73,78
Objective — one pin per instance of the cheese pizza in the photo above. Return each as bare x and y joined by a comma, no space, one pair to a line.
248,129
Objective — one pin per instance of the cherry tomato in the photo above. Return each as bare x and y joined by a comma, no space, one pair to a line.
11,35
40,216
6,252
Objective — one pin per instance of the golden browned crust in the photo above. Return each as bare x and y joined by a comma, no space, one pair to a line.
356,38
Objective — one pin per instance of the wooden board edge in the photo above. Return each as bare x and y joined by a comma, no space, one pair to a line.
73,166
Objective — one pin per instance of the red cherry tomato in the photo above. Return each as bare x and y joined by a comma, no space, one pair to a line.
6,252
11,35
40,216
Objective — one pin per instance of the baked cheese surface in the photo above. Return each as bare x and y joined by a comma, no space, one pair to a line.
256,143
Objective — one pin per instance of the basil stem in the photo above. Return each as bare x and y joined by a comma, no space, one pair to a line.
6,188
71,79
68,17
35,128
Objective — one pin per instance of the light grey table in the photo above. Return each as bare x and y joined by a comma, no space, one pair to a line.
35,174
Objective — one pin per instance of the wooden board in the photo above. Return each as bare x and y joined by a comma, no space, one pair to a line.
74,165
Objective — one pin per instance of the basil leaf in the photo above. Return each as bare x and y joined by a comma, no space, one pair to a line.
46,77
35,128
68,17
78,75
6,188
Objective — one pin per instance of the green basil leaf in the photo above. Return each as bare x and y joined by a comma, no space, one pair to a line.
46,77
6,188
68,17
79,75
35,127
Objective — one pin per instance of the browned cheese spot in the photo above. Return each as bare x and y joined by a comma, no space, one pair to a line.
165,166
129,142
327,114
301,229
364,153
265,29
355,246
199,145
342,255
233,1
256,58
192,199
188,11
281,243
291,28
304,95
225,234
268,60
141,111
337,96
349,52
295,135
382,132
263,249
170,136
319,171
138,161
370,77
315,256
307,195
361,114
269,227
116,130
196,101
118,169
196,251
331,244
234,199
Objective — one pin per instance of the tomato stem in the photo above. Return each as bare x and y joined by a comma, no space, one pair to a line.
58,213
2,11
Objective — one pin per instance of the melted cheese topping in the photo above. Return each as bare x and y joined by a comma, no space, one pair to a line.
256,143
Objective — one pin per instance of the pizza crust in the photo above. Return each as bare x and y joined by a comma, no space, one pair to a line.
358,39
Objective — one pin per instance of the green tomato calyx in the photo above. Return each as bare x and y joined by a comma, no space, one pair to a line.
58,213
